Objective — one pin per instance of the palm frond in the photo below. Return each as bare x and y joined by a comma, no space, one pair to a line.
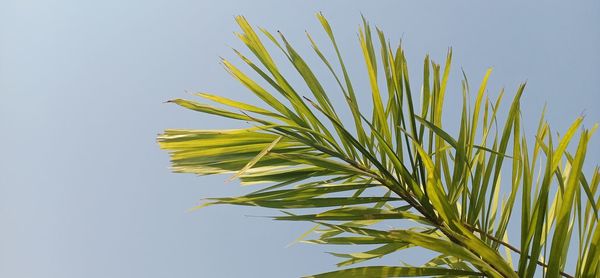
453,194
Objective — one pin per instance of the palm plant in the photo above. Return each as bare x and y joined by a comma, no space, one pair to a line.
399,164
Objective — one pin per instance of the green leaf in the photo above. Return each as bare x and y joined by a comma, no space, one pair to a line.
192,105
354,213
388,271
560,247
257,158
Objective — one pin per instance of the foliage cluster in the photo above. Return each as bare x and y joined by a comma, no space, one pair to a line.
398,163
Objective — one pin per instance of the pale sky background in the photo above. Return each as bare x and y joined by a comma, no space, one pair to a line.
84,189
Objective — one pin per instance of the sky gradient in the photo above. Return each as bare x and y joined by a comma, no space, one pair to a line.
85,190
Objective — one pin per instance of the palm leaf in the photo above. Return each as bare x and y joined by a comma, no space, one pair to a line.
450,189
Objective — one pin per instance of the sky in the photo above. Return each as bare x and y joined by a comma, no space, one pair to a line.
86,192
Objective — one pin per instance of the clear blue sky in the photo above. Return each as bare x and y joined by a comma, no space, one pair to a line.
84,189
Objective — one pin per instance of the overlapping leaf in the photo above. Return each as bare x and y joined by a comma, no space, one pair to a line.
398,166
